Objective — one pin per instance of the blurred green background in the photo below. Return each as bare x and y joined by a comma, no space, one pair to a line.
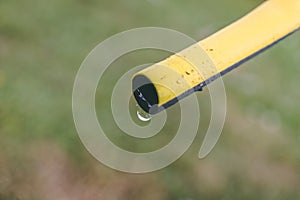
42,44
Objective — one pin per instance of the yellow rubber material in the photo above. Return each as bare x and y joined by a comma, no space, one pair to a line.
268,23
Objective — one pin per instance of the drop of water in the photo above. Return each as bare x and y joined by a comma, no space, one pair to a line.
142,115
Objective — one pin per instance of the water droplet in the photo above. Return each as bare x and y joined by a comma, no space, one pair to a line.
142,115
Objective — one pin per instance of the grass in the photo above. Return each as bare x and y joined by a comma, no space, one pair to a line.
42,44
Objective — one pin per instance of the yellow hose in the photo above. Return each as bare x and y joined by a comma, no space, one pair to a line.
190,69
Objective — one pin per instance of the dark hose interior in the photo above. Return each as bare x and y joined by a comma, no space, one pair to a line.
145,93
